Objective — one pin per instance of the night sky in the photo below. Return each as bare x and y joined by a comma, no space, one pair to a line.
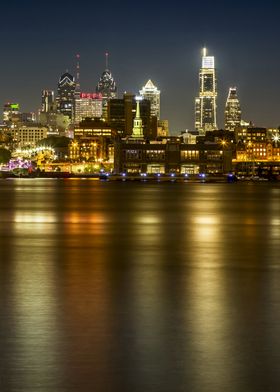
145,39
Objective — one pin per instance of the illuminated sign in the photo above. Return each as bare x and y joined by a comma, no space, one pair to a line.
91,95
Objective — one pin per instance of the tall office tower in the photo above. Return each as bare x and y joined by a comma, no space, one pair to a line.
150,92
137,130
205,104
232,111
47,101
107,87
66,95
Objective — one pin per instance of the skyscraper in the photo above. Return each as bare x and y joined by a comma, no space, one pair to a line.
66,95
232,110
205,104
107,87
47,101
150,92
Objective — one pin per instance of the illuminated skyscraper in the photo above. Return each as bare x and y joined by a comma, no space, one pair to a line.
232,111
150,92
47,101
66,95
106,87
205,104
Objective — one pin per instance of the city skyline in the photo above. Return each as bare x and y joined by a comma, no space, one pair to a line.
169,56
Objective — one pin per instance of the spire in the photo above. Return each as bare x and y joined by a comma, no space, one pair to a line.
137,109
204,52
106,60
137,131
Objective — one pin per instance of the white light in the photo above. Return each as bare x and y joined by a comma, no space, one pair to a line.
208,62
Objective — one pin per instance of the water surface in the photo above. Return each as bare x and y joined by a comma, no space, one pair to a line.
108,286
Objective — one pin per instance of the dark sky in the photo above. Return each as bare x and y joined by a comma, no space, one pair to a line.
145,39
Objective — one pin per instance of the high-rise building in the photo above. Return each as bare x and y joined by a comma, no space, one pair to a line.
106,87
66,95
47,101
205,104
88,106
121,113
10,110
150,92
232,110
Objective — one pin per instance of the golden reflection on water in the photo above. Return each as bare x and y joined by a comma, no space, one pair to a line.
35,217
140,289
208,315
148,227
206,228
34,304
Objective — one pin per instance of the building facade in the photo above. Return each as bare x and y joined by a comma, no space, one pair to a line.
205,104
28,135
48,102
172,156
232,110
10,111
121,114
88,105
93,142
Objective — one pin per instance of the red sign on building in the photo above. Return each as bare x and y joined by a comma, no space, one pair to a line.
91,95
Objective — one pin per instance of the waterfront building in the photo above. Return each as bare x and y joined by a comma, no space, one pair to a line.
66,95
151,93
88,105
232,110
107,88
172,156
205,104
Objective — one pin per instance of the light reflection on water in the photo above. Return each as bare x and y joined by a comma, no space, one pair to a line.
131,286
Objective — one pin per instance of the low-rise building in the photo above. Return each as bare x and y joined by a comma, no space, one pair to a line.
28,135
172,156
93,141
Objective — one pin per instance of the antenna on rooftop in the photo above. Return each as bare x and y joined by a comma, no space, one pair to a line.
106,59
78,87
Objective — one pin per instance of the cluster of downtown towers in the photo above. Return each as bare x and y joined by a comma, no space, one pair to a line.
72,103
